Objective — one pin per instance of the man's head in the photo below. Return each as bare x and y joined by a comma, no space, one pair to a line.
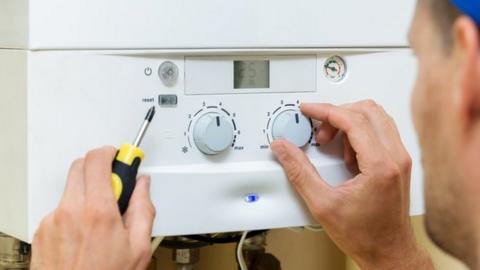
446,108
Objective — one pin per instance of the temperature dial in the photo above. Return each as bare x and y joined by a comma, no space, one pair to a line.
293,126
213,133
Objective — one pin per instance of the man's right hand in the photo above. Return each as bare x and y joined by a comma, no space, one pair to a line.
86,230
367,216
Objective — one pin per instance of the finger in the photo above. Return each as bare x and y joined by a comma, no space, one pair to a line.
74,193
302,174
378,117
383,125
358,129
140,213
98,177
391,121
349,156
325,133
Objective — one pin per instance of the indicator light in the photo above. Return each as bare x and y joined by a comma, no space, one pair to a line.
251,198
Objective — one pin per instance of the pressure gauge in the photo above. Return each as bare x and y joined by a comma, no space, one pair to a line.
335,69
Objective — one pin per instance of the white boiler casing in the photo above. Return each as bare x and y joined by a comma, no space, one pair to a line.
79,75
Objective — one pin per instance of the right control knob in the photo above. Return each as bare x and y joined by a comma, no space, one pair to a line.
293,126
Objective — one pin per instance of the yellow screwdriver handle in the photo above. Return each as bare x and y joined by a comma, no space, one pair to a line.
124,174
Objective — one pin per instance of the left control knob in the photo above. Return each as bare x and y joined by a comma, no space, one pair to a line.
213,133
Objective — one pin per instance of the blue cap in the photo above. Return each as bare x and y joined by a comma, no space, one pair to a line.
471,8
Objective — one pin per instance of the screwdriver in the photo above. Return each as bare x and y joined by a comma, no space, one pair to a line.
126,163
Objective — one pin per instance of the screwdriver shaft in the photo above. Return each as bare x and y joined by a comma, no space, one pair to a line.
144,127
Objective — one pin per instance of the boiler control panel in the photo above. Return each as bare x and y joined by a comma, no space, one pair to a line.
208,148
227,110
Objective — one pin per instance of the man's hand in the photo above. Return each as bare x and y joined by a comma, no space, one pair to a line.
367,216
86,231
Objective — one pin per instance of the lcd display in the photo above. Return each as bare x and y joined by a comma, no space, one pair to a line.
251,74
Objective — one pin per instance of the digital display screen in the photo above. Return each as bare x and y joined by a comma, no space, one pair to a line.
251,74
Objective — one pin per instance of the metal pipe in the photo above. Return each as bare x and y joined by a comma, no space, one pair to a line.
184,267
186,259
14,254
254,252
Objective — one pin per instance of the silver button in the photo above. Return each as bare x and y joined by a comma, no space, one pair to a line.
168,73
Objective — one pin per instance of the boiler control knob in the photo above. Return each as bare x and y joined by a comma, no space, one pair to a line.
213,133
293,126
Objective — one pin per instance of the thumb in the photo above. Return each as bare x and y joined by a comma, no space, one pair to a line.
303,175
140,213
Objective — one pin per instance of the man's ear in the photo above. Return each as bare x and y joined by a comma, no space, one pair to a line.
466,53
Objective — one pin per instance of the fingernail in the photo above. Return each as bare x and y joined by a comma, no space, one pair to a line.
147,179
322,135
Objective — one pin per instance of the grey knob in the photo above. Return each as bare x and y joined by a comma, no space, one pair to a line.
213,133
293,126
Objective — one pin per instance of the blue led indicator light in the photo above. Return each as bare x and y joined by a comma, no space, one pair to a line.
251,198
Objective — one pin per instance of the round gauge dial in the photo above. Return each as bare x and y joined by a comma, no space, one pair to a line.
335,69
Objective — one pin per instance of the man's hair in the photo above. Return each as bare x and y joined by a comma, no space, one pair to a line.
444,15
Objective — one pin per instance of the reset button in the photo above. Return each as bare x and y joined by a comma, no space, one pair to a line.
167,100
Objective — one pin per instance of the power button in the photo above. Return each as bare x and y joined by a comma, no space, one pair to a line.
168,73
